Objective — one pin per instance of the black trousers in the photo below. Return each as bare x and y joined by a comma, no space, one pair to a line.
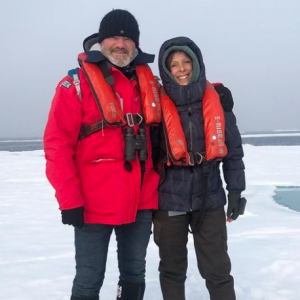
210,242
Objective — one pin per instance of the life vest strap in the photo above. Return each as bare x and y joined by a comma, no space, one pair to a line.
107,74
74,74
87,130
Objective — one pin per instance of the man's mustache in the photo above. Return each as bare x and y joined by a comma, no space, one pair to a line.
119,50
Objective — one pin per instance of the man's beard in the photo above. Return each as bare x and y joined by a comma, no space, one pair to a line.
121,60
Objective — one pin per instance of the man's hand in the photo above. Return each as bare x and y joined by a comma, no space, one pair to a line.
73,217
236,206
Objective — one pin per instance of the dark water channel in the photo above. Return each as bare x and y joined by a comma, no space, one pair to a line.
288,196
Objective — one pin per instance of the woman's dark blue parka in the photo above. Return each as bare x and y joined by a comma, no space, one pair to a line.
182,189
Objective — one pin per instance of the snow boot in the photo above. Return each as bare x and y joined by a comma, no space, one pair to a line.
130,291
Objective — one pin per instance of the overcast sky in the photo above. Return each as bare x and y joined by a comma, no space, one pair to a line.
252,46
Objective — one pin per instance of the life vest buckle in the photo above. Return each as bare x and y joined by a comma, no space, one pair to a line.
140,119
198,158
130,119
133,119
191,159
195,158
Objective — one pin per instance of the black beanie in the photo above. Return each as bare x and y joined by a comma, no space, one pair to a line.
119,22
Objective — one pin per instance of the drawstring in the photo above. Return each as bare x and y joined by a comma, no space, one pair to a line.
205,170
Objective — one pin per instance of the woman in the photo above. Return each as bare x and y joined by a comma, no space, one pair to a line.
191,193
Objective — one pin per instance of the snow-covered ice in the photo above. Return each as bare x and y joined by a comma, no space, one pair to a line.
37,253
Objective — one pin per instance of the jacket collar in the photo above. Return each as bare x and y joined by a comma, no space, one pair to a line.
95,56
142,58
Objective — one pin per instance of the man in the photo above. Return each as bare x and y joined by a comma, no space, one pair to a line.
98,154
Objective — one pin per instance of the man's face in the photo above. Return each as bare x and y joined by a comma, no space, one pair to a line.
119,50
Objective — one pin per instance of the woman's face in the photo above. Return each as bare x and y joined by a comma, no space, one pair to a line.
181,67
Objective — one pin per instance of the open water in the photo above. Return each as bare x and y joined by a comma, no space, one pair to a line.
286,138
288,196
272,138
21,145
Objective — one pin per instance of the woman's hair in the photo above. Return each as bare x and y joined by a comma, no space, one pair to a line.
170,57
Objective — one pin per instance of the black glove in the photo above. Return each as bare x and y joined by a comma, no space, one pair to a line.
225,97
236,205
73,216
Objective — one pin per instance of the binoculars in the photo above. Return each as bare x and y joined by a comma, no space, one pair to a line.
135,143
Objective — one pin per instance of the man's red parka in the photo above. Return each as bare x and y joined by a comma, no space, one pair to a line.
91,172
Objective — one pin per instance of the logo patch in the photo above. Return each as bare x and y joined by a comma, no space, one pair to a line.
66,84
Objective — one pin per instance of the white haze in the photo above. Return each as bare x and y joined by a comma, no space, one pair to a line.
251,46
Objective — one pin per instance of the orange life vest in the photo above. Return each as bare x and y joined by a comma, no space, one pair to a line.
108,104
214,129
